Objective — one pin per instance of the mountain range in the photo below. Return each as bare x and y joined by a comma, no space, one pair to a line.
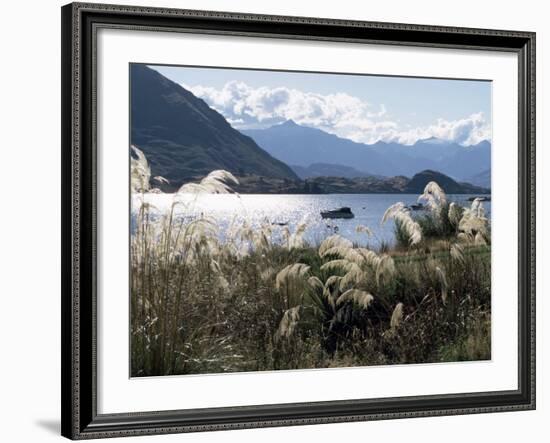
297,145
254,184
184,139
328,170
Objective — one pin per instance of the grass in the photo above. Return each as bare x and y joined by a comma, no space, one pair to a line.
249,303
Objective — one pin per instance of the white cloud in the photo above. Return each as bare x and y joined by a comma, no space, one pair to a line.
466,131
341,114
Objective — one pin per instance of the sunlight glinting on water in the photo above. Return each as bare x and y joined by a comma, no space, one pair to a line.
293,209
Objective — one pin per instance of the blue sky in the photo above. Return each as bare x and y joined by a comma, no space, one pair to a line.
360,107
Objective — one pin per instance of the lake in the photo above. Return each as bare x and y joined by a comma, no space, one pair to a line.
294,209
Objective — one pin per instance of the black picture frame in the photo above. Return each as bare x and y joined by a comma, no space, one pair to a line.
80,22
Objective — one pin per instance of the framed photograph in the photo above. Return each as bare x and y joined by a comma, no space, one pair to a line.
273,221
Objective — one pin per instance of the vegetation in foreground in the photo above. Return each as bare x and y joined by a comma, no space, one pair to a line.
263,299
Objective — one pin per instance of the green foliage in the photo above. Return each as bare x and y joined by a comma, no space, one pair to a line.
436,224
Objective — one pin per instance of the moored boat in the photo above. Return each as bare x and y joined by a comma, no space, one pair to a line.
343,212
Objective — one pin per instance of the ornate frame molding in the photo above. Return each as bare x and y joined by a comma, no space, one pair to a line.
79,392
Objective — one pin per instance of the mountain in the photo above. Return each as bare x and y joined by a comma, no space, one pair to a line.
419,181
358,185
302,146
481,179
183,138
469,161
327,170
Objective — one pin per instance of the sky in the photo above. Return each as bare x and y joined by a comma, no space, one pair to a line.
363,108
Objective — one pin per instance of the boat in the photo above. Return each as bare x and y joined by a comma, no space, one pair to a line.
343,212
417,207
483,198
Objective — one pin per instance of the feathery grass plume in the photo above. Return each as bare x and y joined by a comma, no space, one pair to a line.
333,241
160,179
285,235
443,282
465,238
397,316
352,262
457,252
200,228
477,207
217,182
354,273
240,240
295,272
354,276
341,251
364,229
402,216
245,232
434,196
474,223
332,289
335,265
359,256
261,238
288,323
140,172
296,239
316,283
190,242
364,255
333,282
479,239
358,297
392,211
385,268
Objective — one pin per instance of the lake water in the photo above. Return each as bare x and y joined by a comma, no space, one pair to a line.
294,209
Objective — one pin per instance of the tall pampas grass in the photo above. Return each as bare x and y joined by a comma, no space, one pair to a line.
140,172
288,324
290,274
474,225
259,297
397,316
295,240
161,180
434,196
402,216
331,242
217,182
385,268
457,252
360,298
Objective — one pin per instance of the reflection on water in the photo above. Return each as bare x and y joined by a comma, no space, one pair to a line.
293,209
